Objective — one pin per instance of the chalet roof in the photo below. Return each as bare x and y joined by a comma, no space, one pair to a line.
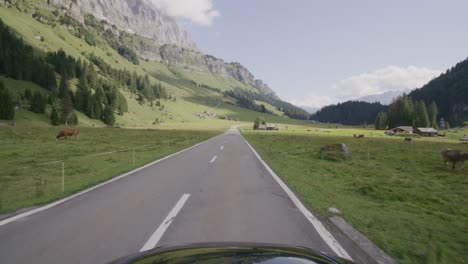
427,129
405,128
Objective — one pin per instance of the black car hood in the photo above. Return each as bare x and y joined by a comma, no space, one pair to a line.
242,253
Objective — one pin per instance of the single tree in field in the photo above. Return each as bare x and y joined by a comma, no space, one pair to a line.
256,123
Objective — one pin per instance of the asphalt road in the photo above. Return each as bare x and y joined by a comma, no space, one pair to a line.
217,191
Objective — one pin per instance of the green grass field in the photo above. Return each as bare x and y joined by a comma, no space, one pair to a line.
23,183
398,194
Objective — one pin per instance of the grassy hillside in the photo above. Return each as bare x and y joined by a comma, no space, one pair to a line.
194,92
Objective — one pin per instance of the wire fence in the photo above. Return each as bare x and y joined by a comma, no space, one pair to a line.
43,182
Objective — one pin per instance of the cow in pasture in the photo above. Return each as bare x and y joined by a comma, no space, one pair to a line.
67,132
358,136
408,139
454,156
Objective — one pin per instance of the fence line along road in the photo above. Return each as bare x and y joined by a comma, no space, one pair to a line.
86,155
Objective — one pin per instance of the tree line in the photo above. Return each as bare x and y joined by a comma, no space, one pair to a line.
246,99
349,113
18,61
405,112
97,94
449,91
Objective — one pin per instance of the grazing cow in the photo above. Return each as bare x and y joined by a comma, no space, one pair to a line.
408,139
454,156
68,132
358,136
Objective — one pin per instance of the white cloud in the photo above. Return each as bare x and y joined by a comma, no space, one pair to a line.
391,78
198,11
313,101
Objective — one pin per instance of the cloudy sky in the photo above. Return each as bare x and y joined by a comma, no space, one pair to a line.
314,53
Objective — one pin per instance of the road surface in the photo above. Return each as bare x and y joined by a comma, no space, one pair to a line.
216,191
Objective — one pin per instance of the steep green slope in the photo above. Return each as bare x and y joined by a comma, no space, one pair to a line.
450,92
349,113
191,93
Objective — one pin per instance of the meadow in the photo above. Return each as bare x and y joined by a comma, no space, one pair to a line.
399,194
98,155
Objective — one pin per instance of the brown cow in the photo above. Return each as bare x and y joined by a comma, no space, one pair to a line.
68,132
454,156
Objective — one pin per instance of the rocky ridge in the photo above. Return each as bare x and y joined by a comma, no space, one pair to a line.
171,43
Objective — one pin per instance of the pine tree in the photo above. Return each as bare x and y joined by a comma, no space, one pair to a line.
73,119
421,119
27,94
381,121
256,123
108,116
64,86
447,125
81,100
38,103
67,107
400,112
432,112
7,106
54,117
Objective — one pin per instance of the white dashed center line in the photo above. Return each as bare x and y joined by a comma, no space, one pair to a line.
154,239
213,159
222,147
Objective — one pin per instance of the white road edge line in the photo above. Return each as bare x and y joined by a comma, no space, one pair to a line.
213,159
222,147
321,230
40,209
157,235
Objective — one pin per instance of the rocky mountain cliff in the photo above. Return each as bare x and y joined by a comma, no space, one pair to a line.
135,16
172,44
191,60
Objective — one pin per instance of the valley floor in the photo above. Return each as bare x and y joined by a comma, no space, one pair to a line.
31,167
398,194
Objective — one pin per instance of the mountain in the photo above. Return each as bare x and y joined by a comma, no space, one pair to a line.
384,98
145,75
450,92
171,44
310,109
134,16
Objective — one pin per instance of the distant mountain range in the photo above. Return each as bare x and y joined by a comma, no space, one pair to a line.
309,109
385,98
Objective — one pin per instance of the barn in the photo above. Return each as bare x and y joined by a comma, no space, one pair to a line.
426,131
402,129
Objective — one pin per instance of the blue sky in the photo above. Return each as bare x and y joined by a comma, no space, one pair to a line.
319,52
